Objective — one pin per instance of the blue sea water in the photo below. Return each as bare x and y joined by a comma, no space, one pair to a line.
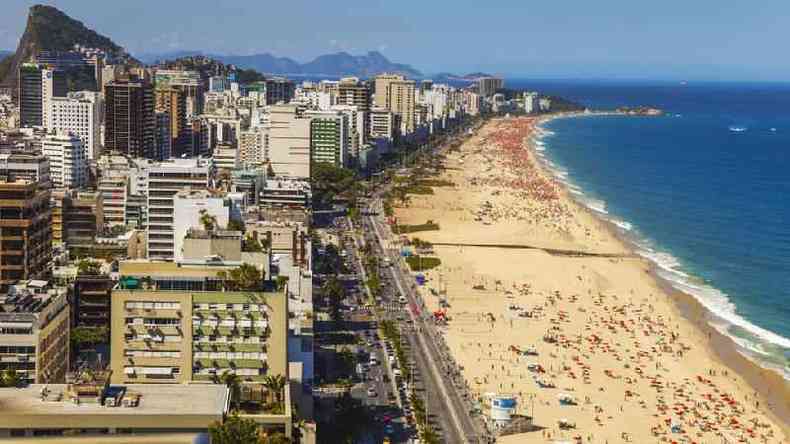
703,191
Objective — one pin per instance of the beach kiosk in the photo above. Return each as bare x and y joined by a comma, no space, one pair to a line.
502,409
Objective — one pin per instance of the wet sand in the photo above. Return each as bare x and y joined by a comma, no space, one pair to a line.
634,357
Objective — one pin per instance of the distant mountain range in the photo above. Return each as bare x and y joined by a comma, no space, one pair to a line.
50,29
334,65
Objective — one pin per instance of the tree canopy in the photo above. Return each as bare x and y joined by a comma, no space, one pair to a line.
235,430
244,277
88,267
331,182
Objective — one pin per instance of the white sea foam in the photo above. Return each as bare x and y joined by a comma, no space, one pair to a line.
596,205
713,299
627,226
760,342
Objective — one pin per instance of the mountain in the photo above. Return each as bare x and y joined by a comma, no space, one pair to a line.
49,29
334,65
370,64
265,63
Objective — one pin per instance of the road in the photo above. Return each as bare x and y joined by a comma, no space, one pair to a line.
431,356
387,403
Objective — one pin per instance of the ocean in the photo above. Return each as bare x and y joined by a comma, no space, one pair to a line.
703,192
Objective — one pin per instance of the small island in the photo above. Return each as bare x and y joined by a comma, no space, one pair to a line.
640,111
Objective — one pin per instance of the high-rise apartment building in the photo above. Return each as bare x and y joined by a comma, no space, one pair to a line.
130,122
25,231
289,141
68,164
37,85
279,90
357,134
396,94
25,166
531,102
80,114
77,217
226,157
174,102
91,300
184,327
382,124
83,218
350,91
164,139
488,86
164,180
187,83
253,146
34,333
114,183
328,138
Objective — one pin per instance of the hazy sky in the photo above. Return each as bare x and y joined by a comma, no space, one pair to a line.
667,39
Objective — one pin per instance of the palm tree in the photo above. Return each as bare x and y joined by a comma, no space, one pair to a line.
233,382
276,384
208,221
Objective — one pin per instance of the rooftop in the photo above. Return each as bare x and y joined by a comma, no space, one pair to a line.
164,405
194,233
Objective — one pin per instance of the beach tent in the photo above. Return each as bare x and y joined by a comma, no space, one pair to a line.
566,399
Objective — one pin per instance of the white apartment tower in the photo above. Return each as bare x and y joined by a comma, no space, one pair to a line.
531,102
48,93
164,180
68,164
78,113
289,141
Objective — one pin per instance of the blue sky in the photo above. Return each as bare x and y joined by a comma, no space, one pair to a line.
668,39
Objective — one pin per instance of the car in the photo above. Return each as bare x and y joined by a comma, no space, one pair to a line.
397,373
388,429
372,392
373,361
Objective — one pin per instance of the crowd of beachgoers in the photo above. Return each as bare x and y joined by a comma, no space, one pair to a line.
590,345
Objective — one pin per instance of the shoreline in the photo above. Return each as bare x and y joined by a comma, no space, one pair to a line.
769,383
549,218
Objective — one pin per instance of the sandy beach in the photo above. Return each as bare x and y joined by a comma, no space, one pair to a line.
546,304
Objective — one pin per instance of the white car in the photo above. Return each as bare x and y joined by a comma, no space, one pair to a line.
373,361
372,392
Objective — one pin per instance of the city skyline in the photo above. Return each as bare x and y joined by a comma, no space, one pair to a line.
673,40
